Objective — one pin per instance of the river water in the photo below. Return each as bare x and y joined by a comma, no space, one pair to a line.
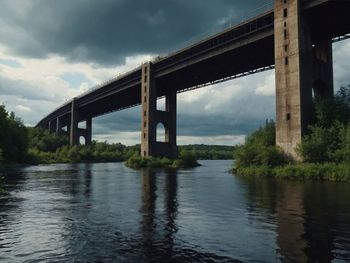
110,213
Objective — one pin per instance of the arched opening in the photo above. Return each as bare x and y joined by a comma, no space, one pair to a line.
161,104
161,132
82,140
82,125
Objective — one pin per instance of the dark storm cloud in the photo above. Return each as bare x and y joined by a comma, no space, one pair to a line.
106,31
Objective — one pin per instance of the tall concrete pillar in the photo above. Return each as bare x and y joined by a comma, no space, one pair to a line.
148,102
52,126
301,66
322,57
88,132
74,131
59,126
151,117
170,122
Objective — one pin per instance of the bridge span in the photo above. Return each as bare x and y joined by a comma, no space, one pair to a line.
294,37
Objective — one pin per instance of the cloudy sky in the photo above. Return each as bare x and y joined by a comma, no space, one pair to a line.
51,51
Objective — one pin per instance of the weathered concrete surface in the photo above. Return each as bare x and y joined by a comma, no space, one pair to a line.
151,117
301,66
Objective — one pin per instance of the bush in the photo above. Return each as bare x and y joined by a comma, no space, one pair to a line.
185,160
311,171
13,137
45,141
260,150
328,139
322,144
306,171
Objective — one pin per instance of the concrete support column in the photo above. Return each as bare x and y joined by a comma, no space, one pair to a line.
148,102
151,117
59,126
323,69
52,126
301,65
74,131
88,132
170,122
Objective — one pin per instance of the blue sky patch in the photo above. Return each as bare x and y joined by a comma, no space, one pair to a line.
75,79
10,63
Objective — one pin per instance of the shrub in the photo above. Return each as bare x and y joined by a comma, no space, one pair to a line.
186,159
260,150
13,137
322,144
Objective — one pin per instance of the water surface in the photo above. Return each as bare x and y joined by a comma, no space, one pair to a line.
110,213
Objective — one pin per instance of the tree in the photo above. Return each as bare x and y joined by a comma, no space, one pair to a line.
13,137
328,138
259,149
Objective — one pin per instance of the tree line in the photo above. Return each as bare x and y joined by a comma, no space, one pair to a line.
20,144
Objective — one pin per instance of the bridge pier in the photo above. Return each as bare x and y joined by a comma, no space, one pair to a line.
151,117
59,130
74,130
73,127
301,66
52,126
88,131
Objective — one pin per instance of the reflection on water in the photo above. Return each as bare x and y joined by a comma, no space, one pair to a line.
109,213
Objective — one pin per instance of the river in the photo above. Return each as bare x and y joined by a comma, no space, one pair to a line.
109,213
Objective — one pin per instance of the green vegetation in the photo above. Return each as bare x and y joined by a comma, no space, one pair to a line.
13,138
260,150
51,148
186,160
325,151
210,152
19,144
329,138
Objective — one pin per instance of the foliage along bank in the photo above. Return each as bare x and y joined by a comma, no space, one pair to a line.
186,159
20,144
325,150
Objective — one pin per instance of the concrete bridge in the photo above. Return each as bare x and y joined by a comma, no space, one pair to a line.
295,37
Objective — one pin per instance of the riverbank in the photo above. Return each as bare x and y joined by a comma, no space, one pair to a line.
304,171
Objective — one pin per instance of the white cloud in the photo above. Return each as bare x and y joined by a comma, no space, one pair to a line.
41,80
267,88
23,108
211,140
132,138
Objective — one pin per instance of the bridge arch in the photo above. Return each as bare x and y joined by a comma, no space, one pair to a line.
161,132
82,140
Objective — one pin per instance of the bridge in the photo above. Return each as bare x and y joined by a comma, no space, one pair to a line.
294,37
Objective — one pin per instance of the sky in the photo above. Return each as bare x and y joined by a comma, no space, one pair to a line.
51,51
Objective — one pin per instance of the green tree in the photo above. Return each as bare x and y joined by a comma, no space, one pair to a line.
259,149
13,137
327,140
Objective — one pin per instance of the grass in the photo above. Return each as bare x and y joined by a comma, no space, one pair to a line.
305,171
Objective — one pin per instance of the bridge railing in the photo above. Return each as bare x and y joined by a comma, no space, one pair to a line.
264,7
